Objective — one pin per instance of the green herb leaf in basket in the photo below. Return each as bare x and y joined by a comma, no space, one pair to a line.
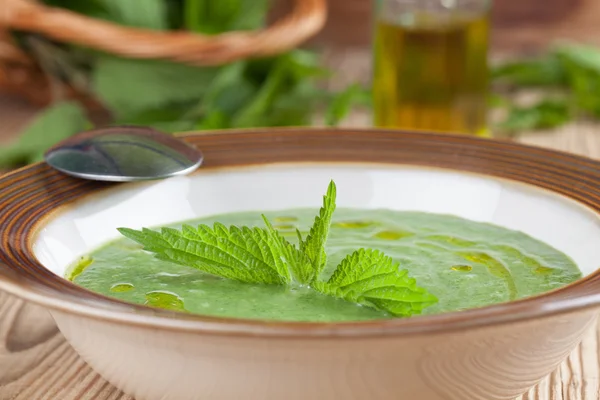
54,124
140,13
128,87
280,90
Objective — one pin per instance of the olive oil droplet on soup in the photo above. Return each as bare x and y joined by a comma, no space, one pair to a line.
462,268
285,219
78,267
392,235
166,300
284,227
121,287
352,224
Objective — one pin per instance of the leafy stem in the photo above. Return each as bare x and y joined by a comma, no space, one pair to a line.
262,256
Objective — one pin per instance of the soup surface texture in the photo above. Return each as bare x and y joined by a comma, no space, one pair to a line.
466,264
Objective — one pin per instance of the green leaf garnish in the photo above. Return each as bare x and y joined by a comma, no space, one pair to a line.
250,255
314,245
298,262
371,278
262,256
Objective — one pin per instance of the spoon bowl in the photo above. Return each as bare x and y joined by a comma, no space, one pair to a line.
123,154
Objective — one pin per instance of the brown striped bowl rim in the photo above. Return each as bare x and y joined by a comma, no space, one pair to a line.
30,195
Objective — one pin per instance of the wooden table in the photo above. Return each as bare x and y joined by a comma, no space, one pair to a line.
37,363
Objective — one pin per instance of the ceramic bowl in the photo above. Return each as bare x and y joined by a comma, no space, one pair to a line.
498,352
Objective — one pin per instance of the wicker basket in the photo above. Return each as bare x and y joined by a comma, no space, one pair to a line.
21,75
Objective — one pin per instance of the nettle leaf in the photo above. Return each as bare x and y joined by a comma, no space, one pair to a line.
171,119
343,103
129,87
314,245
228,91
196,16
253,113
544,115
582,65
213,120
370,277
52,125
92,8
139,13
252,15
250,255
583,55
297,261
213,17
539,72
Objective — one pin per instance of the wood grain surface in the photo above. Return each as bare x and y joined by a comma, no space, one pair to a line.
36,362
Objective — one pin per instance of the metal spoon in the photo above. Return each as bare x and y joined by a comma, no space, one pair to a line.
123,154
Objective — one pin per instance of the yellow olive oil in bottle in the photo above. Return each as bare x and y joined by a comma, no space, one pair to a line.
430,72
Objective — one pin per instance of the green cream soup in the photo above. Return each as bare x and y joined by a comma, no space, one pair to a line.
465,264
